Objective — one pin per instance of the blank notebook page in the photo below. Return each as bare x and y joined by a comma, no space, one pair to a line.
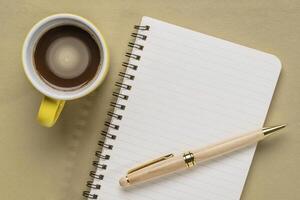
190,90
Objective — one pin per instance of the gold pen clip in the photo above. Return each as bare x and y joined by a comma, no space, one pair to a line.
149,163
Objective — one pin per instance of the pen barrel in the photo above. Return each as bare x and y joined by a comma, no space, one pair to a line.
227,146
190,158
157,170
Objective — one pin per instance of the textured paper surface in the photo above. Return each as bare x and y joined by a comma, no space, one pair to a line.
36,162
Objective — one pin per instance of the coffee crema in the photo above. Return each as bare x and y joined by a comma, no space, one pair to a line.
67,57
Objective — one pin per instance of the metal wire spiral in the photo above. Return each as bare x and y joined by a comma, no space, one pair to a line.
109,125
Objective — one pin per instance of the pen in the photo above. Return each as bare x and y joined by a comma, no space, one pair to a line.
170,163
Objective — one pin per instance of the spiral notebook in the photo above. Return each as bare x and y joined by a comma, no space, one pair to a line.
182,90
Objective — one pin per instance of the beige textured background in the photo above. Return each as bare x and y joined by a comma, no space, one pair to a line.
50,164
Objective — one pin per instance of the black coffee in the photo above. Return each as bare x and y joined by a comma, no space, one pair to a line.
67,57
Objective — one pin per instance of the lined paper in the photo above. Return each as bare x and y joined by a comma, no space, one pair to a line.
190,90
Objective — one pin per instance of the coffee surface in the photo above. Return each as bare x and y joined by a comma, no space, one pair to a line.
67,57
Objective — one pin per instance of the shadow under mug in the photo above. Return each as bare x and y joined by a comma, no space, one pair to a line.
54,99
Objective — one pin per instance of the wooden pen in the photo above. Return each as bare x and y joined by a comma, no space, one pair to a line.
169,163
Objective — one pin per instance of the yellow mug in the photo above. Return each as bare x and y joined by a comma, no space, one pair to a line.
54,98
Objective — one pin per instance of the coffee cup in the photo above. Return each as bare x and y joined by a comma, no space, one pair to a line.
64,57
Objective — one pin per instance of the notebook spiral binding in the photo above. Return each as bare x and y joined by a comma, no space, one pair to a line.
115,105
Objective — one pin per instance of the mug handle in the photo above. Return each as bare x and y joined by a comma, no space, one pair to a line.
49,111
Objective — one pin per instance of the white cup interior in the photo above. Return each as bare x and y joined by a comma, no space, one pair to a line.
28,51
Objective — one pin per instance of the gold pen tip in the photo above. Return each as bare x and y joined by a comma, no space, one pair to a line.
268,130
124,182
